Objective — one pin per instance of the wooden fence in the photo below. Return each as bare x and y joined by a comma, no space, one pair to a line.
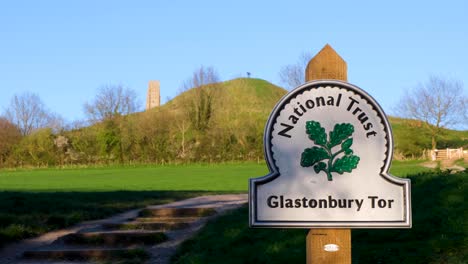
449,154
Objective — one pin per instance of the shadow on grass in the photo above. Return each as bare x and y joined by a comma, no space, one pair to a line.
439,233
28,214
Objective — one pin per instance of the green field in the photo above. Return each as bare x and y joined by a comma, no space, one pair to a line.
230,177
36,201
213,177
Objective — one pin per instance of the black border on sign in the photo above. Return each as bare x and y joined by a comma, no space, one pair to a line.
406,222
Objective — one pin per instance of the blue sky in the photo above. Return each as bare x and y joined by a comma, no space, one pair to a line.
65,50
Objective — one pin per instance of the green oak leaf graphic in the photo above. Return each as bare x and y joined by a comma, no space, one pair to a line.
315,156
310,156
316,132
340,133
345,164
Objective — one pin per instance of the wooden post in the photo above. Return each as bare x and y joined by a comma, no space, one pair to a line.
327,64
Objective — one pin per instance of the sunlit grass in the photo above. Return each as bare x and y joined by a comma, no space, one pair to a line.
438,234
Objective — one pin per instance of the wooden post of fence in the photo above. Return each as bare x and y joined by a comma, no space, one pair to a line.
327,64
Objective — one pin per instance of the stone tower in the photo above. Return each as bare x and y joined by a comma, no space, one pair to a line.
153,99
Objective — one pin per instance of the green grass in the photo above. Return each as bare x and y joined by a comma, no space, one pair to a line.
439,233
462,163
218,177
407,167
212,177
36,201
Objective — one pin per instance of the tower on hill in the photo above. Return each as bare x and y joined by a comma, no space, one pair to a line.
153,98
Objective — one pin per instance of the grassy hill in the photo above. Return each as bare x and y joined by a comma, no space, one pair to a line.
243,105
241,99
412,139
235,100
235,118
240,109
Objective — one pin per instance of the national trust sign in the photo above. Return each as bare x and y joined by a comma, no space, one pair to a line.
328,146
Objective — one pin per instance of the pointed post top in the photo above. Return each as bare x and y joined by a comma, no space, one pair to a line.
327,64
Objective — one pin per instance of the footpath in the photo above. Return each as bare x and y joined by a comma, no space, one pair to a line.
147,235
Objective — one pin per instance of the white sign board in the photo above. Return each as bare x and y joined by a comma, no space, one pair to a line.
329,146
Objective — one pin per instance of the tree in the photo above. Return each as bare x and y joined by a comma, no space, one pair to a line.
439,103
200,107
55,122
202,77
111,101
84,144
28,113
293,75
10,135
111,106
183,126
37,149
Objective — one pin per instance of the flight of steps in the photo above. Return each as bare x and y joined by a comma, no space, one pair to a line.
132,240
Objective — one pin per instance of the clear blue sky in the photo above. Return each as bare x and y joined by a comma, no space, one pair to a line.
65,50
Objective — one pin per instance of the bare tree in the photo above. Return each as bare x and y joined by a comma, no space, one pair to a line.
201,77
438,103
111,101
55,122
28,113
183,126
200,109
111,106
293,75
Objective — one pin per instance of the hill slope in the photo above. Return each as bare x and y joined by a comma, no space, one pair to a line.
242,100
239,111
411,138
255,98
242,95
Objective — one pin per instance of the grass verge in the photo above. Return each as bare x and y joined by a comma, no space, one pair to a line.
439,233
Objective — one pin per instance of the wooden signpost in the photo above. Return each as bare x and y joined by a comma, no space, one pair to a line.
328,146
327,64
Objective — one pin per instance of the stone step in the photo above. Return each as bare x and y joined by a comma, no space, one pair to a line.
164,219
177,212
161,226
115,238
136,254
